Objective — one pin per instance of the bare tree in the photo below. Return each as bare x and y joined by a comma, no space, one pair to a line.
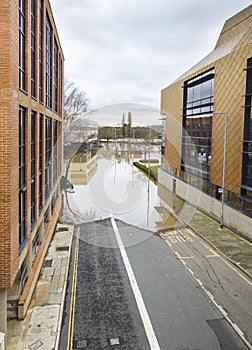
76,104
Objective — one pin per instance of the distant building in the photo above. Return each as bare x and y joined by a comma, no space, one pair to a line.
217,87
31,119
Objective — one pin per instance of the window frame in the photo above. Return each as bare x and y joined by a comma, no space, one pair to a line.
197,126
22,46
49,36
22,177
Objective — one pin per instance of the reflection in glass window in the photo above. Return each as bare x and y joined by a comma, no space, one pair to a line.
55,84
22,44
247,148
22,169
33,155
33,48
197,125
48,156
41,50
48,62
40,161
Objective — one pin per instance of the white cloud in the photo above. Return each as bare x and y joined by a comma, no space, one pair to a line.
126,51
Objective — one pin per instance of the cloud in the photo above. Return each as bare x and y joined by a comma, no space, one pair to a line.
126,51
112,114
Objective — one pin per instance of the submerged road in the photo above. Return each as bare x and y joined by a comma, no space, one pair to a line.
130,291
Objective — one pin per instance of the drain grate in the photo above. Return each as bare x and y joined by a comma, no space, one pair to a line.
48,263
62,249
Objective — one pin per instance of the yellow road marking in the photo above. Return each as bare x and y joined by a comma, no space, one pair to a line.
168,243
238,273
169,233
73,296
183,257
191,233
213,252
205,245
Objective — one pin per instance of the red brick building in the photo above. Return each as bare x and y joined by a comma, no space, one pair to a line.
31,128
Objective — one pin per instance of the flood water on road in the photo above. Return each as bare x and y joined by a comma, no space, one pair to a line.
111,186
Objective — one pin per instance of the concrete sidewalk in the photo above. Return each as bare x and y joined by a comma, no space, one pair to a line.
233,246
41,327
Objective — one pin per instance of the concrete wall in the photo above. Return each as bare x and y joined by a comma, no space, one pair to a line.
233,219
3,311
2,341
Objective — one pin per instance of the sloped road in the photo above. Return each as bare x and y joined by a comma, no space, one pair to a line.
139,297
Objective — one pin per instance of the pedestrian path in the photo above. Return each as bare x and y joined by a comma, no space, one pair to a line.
233,246
41,327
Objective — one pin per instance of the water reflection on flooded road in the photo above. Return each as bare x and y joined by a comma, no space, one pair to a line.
107,184
116,188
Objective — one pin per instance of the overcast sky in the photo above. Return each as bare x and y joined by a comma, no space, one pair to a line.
126,51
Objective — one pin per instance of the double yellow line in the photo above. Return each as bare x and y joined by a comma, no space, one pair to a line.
73,294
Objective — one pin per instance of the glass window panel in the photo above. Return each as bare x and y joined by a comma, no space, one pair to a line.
206,88
189,94
196,92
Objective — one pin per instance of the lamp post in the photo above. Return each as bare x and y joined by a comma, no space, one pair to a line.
223,166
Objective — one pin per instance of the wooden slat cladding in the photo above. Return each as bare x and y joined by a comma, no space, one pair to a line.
229,60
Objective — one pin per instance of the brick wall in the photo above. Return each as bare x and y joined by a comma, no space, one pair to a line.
8,142
10,100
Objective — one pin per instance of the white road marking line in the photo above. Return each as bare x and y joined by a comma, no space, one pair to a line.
219,307
138,296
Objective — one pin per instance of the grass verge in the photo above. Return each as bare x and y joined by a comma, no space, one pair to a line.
153,170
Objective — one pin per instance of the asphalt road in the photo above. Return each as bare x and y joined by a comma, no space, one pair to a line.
143,296
230,287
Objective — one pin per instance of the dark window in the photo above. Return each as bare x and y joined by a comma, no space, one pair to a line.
247,143
48,63
40,162
56,68
33,48
22,221
54,199
22,277
22,4
46,219
197,126
55,150
60,94
59,148
41,50
48,155
22,187
33,182
35,246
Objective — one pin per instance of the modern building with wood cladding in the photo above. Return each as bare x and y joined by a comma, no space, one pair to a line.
31,127
198,153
